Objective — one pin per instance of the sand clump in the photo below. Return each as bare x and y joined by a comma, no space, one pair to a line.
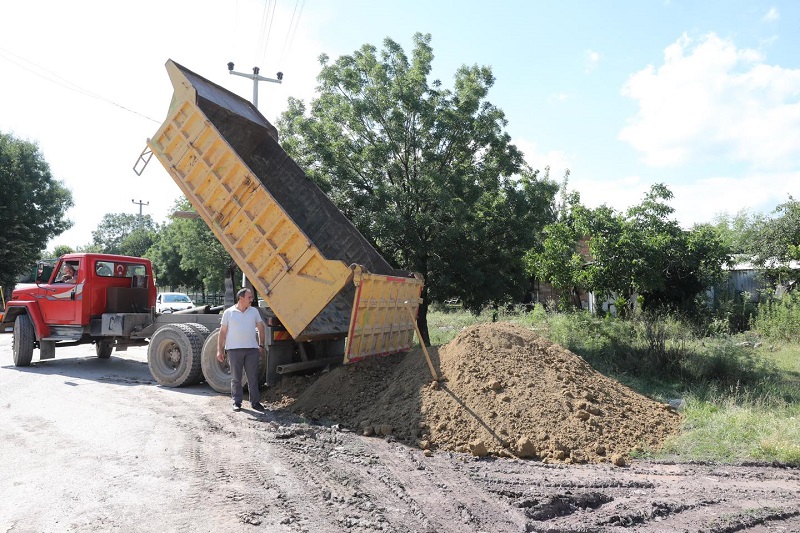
506,392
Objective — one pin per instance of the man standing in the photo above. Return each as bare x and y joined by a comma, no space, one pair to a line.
237,338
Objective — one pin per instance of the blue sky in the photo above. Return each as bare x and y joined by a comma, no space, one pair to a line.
703,96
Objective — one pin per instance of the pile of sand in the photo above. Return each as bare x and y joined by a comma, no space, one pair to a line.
507,392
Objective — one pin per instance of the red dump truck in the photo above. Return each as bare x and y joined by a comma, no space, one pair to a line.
330,296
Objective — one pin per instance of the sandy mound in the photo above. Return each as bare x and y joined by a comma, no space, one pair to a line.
508,392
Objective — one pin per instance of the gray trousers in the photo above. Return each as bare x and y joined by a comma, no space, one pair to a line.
247,359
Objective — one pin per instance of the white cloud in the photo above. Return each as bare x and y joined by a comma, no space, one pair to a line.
711,101
557,160
592,59
619,194
772,15
756,192
698,201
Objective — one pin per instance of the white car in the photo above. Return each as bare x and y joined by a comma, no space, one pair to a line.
169,302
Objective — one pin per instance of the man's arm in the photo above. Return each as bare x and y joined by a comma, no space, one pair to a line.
262,335
223,332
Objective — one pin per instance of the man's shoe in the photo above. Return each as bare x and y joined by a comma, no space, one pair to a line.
237,407
258,407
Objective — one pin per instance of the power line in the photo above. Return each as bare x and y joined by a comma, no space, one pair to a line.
263,36
292,29
54,78
269,30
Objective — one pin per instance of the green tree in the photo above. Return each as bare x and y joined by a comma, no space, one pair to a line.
186,253
777,242
166,258
58,251
427,174
738,232
137,242
639,254
647,254
558,260
778,236
33,206
115,228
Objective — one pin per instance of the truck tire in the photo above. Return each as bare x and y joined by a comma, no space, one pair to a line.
104,348
202,330
22,341
174,356
218,375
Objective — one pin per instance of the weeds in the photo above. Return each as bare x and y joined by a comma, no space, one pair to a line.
780,319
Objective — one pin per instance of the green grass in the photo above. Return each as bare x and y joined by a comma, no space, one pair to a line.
742,392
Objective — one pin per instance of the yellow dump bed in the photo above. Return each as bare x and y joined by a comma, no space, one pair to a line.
319,275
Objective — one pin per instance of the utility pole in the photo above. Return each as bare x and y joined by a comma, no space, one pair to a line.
141,203
256,78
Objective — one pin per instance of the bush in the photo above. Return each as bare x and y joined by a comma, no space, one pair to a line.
780,319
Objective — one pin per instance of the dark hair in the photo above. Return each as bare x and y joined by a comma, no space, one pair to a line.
242,292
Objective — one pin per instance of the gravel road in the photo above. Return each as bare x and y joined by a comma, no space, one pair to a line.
96,445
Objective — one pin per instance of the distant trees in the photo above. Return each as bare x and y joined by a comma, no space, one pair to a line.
778,237
427,174
33,206
637,255
185,253
60,250
124,234
770,241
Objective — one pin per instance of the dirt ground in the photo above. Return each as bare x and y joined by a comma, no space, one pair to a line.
505,392
95,445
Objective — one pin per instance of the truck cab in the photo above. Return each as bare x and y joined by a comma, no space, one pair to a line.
67,304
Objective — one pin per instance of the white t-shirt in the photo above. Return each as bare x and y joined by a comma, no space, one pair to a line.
241,327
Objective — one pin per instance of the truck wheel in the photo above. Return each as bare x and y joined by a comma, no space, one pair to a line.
202,330
218,375
22,341
104,348
174,356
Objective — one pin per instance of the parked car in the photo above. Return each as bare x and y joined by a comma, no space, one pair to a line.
169,302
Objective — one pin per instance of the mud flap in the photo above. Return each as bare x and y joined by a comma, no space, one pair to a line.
47,350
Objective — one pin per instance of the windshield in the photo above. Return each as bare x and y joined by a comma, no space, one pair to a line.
177,298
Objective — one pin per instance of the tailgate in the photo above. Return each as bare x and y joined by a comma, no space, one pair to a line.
384,311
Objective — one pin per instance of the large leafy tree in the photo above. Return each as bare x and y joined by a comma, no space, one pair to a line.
427,174
33,206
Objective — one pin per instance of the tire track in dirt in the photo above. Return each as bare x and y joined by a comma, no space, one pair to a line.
368,484
332,471
648,497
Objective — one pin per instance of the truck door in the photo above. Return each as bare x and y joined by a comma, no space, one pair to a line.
60,301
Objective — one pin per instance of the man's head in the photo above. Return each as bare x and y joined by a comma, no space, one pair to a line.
69,270
244,295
